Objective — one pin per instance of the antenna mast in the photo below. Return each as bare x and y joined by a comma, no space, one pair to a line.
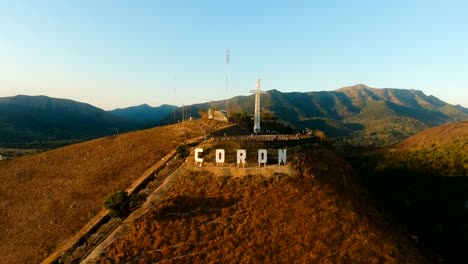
173,87
228,59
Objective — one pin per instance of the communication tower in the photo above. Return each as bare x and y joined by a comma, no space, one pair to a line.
228,59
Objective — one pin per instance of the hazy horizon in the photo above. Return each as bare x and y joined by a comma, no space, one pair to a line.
116,54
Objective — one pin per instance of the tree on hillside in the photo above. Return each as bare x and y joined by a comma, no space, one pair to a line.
120,204
320,135
235,109
235,117
239,117
182,151
203,113
267,115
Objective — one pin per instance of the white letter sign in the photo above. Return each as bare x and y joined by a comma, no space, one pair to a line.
197,159
282,156
241,155
220,154
262,157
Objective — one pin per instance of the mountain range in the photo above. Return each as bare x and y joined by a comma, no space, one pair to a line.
38,121
362,114
359,114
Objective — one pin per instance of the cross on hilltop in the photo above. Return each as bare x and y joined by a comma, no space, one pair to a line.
257,92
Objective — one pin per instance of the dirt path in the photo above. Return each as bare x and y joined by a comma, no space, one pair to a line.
122,228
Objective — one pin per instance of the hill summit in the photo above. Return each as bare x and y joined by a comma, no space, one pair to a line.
310,211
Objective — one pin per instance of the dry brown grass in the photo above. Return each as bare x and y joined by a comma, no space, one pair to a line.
47,197
313,214
439,134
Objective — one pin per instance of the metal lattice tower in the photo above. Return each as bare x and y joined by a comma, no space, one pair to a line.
228,60
257,93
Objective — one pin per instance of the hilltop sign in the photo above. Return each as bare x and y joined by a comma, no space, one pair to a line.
241,157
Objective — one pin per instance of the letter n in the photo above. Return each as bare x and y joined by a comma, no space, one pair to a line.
282,156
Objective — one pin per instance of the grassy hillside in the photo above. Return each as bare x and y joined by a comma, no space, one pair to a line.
442,151
309,213
46,198
439,134
422,184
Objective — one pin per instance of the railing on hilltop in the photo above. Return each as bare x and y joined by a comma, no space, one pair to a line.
284,137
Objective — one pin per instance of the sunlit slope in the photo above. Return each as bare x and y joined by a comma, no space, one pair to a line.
441,150
312,211
440,134
47,197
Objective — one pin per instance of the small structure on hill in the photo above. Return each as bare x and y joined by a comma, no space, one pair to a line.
218,115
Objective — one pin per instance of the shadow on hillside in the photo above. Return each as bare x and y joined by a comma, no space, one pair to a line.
186,207
434,208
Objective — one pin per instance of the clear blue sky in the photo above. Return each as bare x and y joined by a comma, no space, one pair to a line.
122,53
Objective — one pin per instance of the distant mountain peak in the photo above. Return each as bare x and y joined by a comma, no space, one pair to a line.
143,106
359,86
144,113
273,91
